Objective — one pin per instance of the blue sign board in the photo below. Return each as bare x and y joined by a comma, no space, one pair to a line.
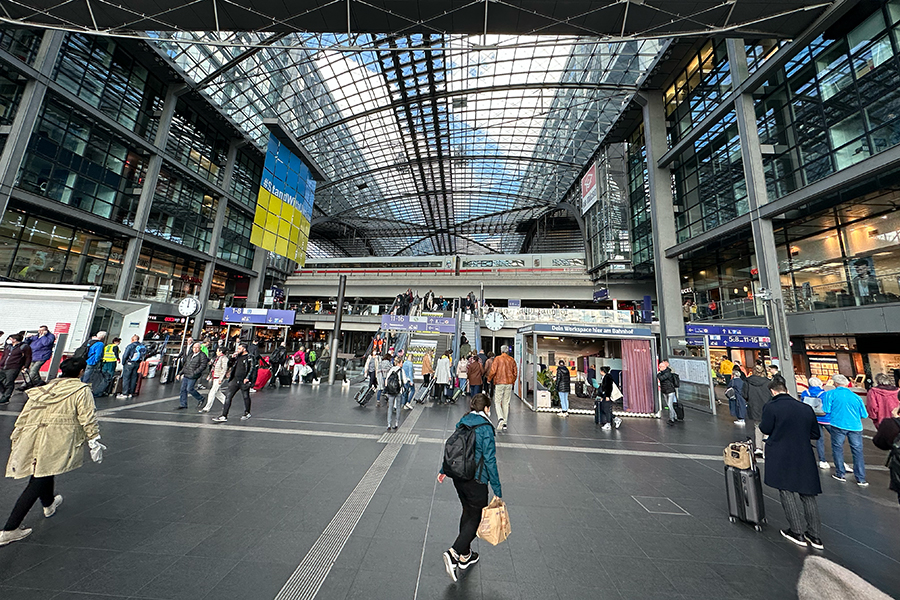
422,324
598,330
258,316
513,303
729,336
601,294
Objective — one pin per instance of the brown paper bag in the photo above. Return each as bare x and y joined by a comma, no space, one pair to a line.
739,455
494,526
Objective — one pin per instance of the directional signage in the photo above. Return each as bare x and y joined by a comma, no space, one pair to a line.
730,336
418,324
258,316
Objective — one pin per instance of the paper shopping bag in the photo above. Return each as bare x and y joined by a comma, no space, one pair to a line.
494,526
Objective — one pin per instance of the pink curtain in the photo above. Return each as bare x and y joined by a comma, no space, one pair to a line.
638,376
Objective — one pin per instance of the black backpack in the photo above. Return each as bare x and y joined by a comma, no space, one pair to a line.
82,350
459,452
676,380
392,385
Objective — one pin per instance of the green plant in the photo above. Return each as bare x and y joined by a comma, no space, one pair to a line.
547,380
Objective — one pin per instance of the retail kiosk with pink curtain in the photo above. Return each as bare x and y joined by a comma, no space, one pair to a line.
629,351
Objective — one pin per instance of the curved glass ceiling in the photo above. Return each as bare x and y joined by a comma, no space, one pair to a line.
433,144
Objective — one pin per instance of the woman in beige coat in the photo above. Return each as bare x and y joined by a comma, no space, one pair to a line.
48,440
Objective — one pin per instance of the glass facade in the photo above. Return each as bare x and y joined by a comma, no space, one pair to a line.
245,179
75,161
182,212
234,243
21,43
163,277
638,192
698,89
99,72
195,143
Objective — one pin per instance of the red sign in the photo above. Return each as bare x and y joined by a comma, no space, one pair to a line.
589,188
61,328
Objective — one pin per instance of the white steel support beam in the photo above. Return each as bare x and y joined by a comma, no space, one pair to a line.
763,233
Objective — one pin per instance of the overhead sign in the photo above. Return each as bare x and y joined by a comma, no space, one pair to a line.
258,316
589,189
418,324
729,336
513,303
599,330
601,294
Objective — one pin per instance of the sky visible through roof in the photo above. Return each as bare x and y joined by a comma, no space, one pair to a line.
432,143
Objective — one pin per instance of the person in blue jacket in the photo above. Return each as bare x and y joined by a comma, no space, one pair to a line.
738,405
473,493
41,351
94,356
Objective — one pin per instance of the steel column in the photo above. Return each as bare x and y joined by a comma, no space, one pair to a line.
338,315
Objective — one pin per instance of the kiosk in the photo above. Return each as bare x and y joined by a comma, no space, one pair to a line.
629,351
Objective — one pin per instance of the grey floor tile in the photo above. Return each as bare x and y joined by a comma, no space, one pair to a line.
125,574
188,578
251,580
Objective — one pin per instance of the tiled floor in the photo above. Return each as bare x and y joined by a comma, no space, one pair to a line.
181,508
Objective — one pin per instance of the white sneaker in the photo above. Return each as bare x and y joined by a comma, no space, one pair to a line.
824,465
245,417
121,397
618,422
220,419
847,468
607,427
130,396
8,537
253,390
740,422
561,414
49,511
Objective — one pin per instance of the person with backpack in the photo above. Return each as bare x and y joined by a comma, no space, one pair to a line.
394,382
563,385
92,353
888,438
736,402
607,419
756,390
813,396
135,352
470,460
667,387
381,373
16,356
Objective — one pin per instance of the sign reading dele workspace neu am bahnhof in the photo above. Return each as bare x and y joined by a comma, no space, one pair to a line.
284,205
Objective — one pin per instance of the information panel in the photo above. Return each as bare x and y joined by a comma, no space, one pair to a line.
284,204
418,324
258,316
722,336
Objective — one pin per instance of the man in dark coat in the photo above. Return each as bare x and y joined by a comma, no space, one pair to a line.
756,392
791,464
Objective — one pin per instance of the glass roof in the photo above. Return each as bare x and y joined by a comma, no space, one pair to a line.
432,143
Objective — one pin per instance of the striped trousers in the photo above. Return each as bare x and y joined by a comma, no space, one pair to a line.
800,509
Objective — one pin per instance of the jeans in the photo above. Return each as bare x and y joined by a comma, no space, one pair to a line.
502,396
409,391
820,443
38,487
233,389
856,449
8,383
393,406
473,496
34,371
187,387
670,402
129,378
564,401
474,389
88,373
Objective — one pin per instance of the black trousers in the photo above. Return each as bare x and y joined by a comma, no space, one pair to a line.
606,411
233,388
38,487
473,496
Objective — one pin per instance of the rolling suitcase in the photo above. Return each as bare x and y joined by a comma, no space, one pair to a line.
262,378
424,392
679,411
284,378
745,496
364,394
598,410
579,389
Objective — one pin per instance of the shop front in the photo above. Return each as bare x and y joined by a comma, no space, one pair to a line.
630,353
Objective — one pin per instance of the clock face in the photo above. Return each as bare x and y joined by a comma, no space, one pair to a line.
189,307
494,321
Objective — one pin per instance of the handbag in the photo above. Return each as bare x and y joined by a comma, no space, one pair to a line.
616,393
739,455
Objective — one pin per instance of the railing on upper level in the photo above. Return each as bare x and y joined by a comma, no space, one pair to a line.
424,271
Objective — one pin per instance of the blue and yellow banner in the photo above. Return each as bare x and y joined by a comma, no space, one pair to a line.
284,204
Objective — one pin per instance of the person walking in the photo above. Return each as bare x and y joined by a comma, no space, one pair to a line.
607,419
111,353
847,411
442,377
487,386
791,464
563,386
736,402
886,438
191,370
812,395
881,399
667,388
503,375
134,353
427,367
216,376
16,357
371,368
726,370
41,351
385,365
462,366
394,380
94,356
473,493
242,374
757,392
48,440
409,389
464,347
474,375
